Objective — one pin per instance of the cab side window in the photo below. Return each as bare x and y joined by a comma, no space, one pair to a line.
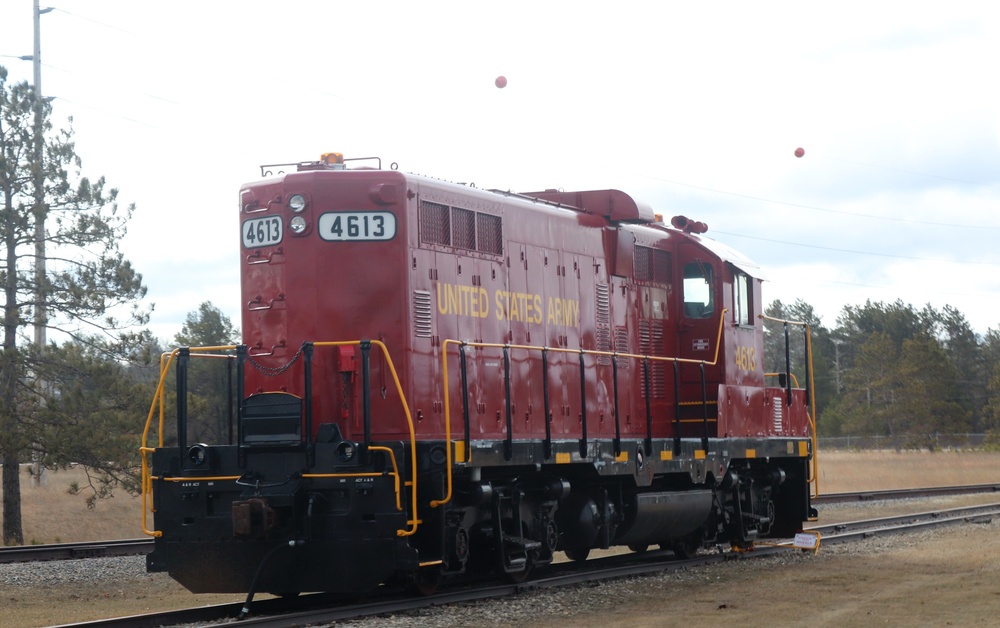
698,299
742,305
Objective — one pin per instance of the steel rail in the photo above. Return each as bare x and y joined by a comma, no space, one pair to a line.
71,551
905,493
562,574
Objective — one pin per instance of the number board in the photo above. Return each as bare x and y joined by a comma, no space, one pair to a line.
357,226
259,232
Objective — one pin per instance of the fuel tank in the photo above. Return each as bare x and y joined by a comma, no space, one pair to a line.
659,517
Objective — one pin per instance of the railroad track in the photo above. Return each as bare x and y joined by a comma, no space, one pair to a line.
906,493
134,547
321,608
70,551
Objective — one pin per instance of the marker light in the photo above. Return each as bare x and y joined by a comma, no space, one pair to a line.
296,202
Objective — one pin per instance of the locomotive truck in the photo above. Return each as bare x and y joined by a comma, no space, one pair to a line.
438,382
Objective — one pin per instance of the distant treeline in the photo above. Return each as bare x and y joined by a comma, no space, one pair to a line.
889,370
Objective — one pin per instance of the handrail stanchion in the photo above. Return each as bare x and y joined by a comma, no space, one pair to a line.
183,357
677,408
583,407
704,409
547,445
649,410
366,393
508,447
229,401
788,367
307,356
465,399
241,363
618,425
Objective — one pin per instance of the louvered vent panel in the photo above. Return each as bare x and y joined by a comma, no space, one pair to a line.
621,346
651,343
779,411
422,313
603,322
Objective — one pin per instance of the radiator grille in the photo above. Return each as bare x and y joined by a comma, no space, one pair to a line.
461,228
652,265
489,234
435,223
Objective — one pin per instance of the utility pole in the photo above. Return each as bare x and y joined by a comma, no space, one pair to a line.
40,209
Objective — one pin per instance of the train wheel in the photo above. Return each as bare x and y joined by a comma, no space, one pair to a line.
517,577
577,554
639,549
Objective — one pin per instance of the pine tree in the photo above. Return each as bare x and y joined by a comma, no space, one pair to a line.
89,290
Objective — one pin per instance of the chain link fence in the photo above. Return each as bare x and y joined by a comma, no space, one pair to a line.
907,441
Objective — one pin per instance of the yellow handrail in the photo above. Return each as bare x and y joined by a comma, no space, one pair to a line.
795,380
814,466
159,399
492,345
409,421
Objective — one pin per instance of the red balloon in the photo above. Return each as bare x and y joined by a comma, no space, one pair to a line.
501,82
799,152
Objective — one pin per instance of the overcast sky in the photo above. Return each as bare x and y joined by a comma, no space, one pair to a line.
694,107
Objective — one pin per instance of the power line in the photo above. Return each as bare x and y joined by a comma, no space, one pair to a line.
115,115
87,19
830,248
913,172
823,209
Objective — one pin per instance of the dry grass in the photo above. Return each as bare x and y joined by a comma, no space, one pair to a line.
51,515
845,471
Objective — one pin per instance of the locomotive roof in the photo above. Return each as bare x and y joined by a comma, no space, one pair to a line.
613,205
731,255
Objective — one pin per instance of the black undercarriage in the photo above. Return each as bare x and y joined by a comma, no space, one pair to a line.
338,516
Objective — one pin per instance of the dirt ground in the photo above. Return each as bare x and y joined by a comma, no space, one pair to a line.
944,578
930,579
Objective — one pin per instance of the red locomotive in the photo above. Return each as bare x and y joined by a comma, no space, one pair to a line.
438,381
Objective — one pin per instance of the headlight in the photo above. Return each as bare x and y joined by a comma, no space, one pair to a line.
345,451
296,202
198,454
297,224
